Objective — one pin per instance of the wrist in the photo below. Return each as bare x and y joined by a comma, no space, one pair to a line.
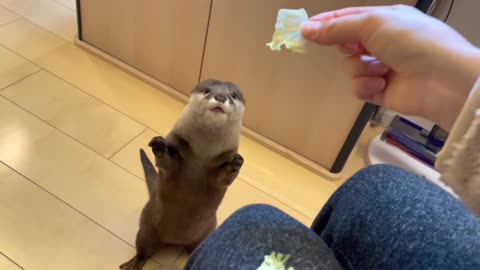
469,66
461,71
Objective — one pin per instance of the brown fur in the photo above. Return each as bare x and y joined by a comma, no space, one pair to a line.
189,186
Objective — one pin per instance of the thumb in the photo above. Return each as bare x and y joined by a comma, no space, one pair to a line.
337,31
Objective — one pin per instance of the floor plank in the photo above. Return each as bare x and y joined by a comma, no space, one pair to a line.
7,16
68,3
6,264
90,183
28,40
72,111
41,232
49,14
13,68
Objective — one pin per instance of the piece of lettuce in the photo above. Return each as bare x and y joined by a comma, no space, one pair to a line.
288,30
275,261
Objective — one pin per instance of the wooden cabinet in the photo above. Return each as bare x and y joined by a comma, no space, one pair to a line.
302,102
162,38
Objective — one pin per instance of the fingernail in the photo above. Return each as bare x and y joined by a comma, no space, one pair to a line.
310,28
378,68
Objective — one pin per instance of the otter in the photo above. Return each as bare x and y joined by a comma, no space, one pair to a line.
196,163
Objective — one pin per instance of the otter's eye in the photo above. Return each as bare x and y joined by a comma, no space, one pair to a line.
234,96
207,91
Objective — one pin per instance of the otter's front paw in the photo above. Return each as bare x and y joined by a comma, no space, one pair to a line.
236,163
158,145
232,168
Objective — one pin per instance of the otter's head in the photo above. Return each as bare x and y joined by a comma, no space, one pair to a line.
217,103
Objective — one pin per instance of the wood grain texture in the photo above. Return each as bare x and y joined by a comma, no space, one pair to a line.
163,38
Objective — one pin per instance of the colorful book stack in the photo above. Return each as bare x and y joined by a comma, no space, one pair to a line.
414,140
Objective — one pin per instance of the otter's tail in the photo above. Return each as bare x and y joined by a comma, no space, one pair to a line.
149,170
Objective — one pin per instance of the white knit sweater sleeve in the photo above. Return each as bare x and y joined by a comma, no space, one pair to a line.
459,161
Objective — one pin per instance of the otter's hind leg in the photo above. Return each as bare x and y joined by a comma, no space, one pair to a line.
146,244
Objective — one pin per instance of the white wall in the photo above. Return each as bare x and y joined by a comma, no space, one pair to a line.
465,18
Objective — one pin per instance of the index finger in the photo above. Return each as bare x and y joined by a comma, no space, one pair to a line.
326,16
338,31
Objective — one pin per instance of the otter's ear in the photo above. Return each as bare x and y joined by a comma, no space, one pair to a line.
233,87
203,84
194,90
241,97
197,89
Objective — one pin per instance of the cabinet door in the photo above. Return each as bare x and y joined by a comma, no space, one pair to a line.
301,102
162,38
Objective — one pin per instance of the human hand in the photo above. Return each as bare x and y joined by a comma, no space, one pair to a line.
401,59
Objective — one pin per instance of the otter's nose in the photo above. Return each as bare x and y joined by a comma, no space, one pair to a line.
220,98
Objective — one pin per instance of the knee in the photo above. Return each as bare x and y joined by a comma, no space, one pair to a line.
364,192
379,170
379,181
255,214
378,175
255,210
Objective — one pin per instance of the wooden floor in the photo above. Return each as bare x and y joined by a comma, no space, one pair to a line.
71,125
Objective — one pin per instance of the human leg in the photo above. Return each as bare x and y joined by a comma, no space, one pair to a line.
387,218
252,232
